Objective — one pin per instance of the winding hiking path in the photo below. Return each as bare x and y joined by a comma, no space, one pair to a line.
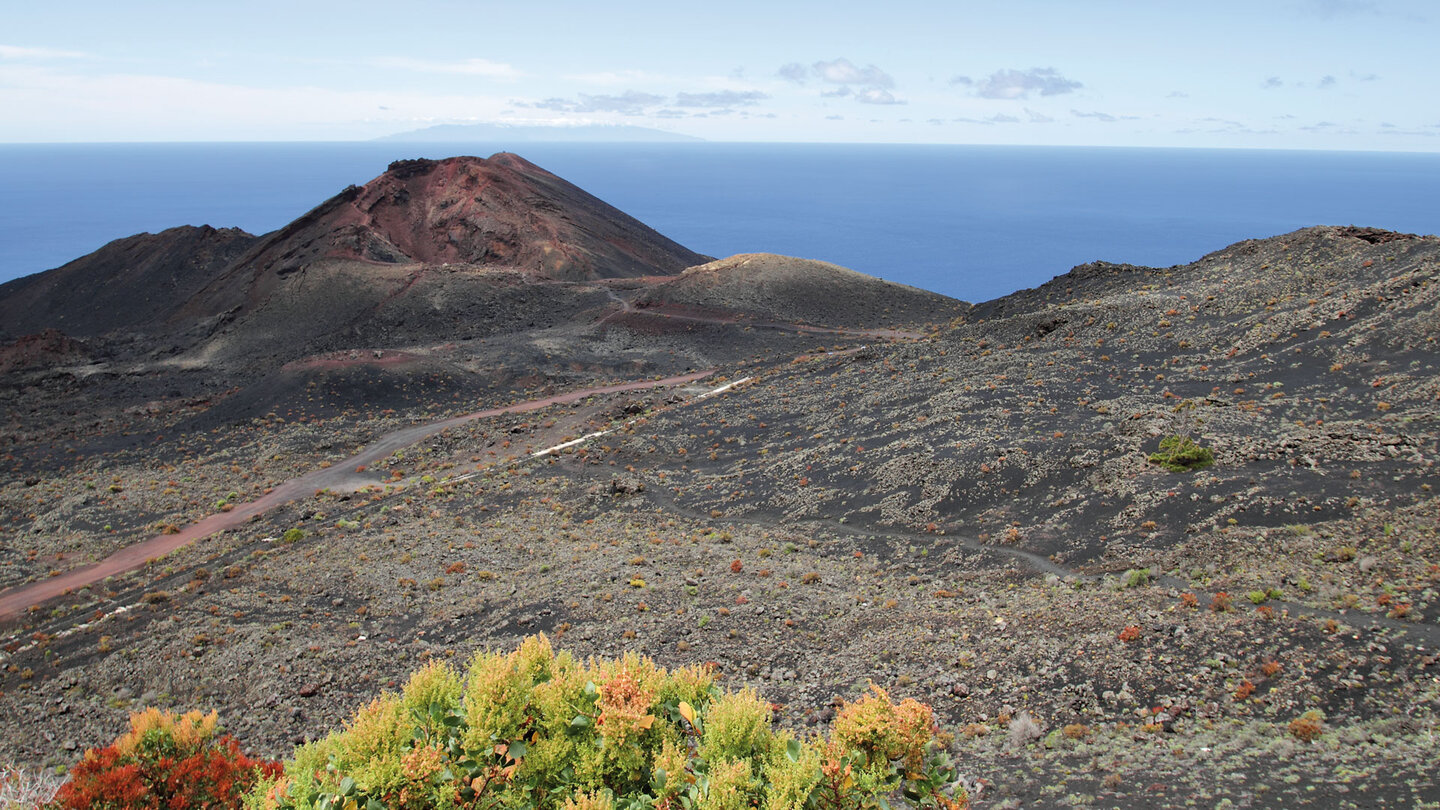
15,601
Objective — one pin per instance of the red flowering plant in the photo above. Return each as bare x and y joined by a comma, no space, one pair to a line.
164,762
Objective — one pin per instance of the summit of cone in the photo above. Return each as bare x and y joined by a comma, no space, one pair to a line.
503,211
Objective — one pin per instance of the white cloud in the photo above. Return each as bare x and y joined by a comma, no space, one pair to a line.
1013,84
1328,128
720,98
1104,116
794,72
35,54
1031,117
631,102
843,71
463,67
635,102
867,85
876,95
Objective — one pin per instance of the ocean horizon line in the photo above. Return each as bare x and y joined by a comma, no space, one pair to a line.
704,142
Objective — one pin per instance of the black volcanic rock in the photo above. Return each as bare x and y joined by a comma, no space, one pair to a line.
131,283
1375,236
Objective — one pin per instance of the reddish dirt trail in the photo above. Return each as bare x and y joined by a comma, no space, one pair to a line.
17,600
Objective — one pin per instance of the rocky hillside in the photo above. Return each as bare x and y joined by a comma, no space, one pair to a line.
1307,362
137,283
972,515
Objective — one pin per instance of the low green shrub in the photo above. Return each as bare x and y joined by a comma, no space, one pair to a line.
1182,454
1135,578
539,729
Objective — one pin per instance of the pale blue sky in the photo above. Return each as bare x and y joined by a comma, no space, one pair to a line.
1296,74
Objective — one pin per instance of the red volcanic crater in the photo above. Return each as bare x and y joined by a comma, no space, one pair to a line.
503,211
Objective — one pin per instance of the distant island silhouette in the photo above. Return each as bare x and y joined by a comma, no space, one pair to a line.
514,133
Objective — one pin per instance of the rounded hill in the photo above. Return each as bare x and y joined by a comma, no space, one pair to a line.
784,288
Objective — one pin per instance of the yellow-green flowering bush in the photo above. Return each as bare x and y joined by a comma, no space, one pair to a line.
539,729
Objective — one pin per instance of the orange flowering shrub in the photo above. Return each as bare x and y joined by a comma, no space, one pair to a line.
1308,726
886,732
624,709
164,761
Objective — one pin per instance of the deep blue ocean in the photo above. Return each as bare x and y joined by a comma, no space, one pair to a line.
974,222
